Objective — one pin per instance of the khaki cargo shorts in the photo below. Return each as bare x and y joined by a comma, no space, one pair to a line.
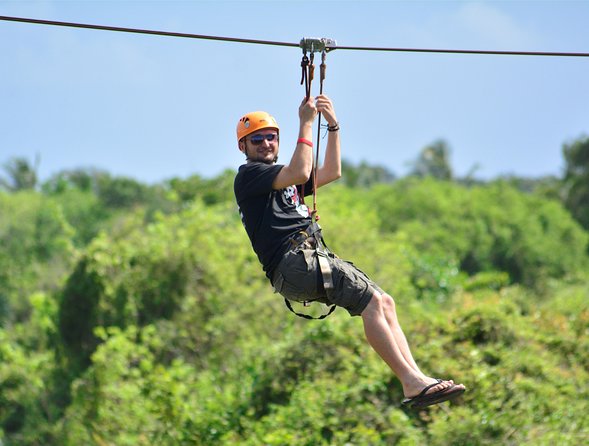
298,277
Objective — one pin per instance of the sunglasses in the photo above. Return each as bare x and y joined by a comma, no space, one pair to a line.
258,139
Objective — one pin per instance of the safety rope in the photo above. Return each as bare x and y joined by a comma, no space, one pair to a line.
322,69
308,70
314,230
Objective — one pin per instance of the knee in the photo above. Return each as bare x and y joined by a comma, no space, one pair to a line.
375,305
382,301
388,303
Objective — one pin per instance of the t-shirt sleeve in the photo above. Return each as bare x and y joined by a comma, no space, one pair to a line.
256,179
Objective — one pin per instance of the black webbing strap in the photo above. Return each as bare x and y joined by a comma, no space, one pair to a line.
306,316
322,252
307,74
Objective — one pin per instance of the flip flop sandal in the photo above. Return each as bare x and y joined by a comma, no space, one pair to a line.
439,397
424,400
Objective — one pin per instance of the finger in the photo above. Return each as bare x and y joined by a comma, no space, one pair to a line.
307,101
324,103
324,107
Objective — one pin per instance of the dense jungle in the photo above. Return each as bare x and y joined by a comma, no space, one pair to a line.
137,314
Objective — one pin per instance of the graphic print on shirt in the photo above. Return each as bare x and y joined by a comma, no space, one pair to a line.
291,195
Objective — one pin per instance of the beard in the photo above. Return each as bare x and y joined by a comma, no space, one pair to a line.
265,161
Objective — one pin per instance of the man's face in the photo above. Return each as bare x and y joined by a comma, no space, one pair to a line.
261,146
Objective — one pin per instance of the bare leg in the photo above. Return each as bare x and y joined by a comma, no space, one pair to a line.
382,339
390,313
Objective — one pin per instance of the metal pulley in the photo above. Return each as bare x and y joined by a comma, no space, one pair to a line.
317,45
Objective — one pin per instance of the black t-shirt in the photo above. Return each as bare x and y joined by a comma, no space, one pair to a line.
271,217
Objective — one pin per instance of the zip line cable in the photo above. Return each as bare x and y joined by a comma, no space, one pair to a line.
142,31
287,44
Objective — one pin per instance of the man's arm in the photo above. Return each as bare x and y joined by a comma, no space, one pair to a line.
299,169
332,165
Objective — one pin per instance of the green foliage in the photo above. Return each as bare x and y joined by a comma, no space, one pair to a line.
92,198
547,186
81,179
163,330
84,212
31,395
351,229
121,192
211,191
434,161
20,175
364,174
36,249
485,228
127,398
576,179
169,269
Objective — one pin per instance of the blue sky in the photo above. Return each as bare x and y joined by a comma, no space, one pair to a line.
153,107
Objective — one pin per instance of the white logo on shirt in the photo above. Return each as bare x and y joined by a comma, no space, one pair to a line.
291,195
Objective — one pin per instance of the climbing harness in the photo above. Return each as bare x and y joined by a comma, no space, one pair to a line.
312,235
312,239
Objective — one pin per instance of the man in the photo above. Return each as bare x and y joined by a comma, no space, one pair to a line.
277,222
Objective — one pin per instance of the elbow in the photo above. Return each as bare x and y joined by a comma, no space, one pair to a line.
301,175
335,175
305,173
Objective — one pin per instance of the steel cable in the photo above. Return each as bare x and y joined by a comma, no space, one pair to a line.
287,44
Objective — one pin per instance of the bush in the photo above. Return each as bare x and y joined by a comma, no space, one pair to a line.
37,250
485,228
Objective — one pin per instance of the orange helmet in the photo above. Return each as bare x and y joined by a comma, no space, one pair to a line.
254,121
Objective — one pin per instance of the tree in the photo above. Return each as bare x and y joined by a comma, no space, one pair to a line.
21,175
434,161
576,179
485,228
365,175
81,178
214,190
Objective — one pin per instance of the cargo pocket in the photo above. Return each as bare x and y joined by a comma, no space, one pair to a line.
288,290
297,276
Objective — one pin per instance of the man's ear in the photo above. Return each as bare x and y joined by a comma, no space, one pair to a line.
241,145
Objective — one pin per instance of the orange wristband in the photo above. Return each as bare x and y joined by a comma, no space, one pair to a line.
305,141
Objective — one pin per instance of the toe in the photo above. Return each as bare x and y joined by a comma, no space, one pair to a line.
439,387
